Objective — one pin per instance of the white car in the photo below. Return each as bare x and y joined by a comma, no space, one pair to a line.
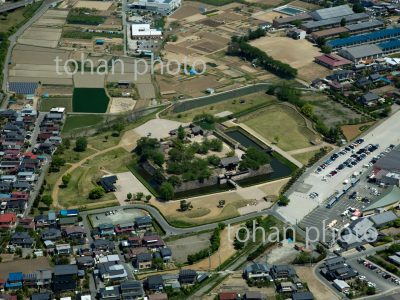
371,284
362,277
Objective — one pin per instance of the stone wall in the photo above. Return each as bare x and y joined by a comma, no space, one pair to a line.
263,170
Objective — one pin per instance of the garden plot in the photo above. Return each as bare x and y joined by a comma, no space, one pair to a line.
37,36
97,5
121,105
146,90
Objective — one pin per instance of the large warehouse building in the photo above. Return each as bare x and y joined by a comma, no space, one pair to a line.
162,7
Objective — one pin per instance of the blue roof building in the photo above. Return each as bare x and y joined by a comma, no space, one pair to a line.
14,280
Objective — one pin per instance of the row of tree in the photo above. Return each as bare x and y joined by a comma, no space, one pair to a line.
239,47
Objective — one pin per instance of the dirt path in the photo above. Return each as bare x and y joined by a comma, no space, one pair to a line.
128,140
308,149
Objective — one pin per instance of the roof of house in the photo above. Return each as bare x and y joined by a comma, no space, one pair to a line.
8,218
144,220
41,296
60,270
165,252
370,96
142,257
303,296
383,218
155,280
391,161
187,273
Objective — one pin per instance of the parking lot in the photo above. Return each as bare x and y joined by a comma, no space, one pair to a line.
371,275
301,204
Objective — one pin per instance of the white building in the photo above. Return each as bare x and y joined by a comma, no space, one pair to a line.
162,7
144,32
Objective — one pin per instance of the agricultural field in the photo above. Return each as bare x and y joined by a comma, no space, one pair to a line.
283,125
74,122
48,103
234,106
90,100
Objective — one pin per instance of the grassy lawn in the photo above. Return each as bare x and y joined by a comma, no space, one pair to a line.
233,105
305,157
9,20
79,121
285,124
90,100
48,103
76,194
71,156
99,141
114,161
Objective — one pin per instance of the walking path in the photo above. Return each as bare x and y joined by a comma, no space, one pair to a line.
124,143
308,149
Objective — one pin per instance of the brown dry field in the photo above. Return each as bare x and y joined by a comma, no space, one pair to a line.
225,251
319,290
208,46
352,131
267,2
268,16
25,266
54,90
98,5
194,87
185,11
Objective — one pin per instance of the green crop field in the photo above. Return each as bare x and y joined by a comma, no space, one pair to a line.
48,103
90,100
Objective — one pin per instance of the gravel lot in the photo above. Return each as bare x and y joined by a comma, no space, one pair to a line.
189,245
127,183
158,128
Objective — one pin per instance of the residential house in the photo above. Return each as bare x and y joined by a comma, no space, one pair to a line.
51,234
64,278
125,228
106,229
29,280
103,245
111,271
155,283
22,239
135,241
282,272
257,271
286,287
109,293
254,295
131,253
7,220
85,262
131,289
67,221
369,99
27,223
14,280
166,254
187,276
152,241
302,296
43,278
143,261
41,296
74,232
64,249
144,222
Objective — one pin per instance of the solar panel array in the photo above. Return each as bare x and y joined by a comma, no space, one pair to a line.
24,88
365,38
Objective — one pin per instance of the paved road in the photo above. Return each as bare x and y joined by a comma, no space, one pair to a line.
13,39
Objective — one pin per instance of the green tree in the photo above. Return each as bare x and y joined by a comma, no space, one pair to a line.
129,196
343,22
118,127
66,179
307,109
181,133
158,263
80,144
47,199
283,200
96,193
184,205
167,191
148,197
58,161
358,8
139,196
